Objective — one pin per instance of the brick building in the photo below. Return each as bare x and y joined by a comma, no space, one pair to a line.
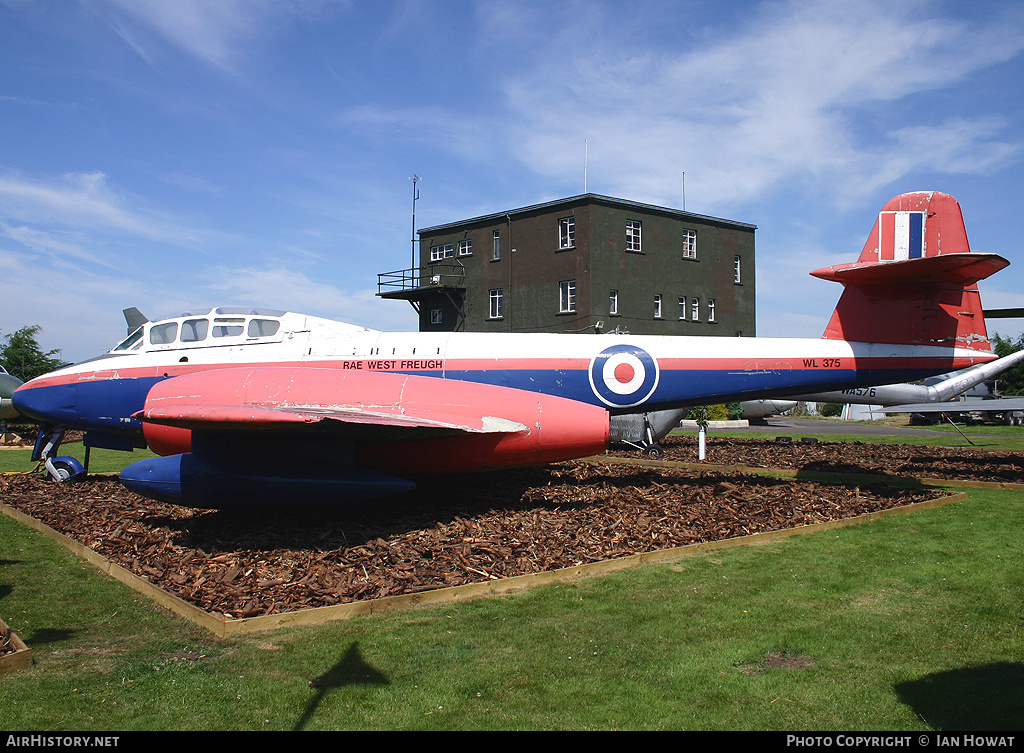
585,263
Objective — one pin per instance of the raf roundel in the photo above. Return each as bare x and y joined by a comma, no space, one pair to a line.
623,375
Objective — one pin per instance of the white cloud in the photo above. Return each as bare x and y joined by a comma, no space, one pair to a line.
55,246
784,100
959,145
214,32
75,199
220,33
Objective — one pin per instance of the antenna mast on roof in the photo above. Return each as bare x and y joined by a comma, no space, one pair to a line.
586,154
415,195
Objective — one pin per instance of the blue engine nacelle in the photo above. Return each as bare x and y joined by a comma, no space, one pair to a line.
186,480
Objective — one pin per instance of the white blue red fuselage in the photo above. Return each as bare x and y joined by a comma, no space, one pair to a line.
624,374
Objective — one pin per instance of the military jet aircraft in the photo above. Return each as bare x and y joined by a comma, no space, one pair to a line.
933,395
245,406
8,384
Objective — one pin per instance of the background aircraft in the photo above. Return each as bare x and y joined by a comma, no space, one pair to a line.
8,384
246,405
933,392
646,430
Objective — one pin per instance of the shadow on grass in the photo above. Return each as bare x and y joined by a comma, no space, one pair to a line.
43,636
5,588
351,669
989,697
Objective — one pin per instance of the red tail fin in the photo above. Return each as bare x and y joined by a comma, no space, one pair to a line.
915,282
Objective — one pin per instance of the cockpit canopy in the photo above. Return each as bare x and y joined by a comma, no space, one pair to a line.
221,326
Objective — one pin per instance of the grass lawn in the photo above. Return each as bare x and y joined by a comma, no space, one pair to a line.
913,622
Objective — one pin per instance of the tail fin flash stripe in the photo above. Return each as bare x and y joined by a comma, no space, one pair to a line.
901,236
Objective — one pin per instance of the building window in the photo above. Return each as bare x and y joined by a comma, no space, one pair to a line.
496,244
657,306
613,302
689,244
435,316
466,248
442,252
695,309
736,264
633,236
711,309
567,232
566,296
497,309
682,308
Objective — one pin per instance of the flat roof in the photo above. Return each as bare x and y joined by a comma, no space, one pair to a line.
585,198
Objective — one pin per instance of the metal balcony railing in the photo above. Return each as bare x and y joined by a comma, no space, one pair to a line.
414,278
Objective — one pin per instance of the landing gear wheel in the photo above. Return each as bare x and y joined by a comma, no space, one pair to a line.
65,469
654,450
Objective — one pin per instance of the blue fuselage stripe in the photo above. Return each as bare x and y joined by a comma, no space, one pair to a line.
107,404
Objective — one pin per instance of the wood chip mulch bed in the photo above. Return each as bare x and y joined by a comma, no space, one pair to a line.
7,641
962,463
448,532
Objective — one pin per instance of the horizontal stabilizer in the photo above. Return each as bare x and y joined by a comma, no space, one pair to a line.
956,269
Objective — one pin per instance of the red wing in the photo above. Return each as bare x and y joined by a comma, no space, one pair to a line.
268,397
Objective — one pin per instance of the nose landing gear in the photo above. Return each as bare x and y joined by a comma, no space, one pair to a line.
63,468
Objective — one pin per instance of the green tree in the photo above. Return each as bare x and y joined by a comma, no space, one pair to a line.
23,358
1011,381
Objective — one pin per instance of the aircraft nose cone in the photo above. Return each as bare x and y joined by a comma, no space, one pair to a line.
54,403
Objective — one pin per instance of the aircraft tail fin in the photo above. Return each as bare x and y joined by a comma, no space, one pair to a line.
134,319
915,282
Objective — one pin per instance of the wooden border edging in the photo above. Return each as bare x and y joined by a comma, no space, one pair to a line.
20,658
224,627
175,604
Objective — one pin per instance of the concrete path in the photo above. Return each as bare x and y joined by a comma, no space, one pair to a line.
818,426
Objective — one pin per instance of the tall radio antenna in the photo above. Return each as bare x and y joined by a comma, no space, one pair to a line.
415,195
586,155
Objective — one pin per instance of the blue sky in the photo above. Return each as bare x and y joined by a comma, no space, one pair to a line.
179,154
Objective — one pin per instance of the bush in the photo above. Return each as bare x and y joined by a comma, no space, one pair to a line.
830,409
714,413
